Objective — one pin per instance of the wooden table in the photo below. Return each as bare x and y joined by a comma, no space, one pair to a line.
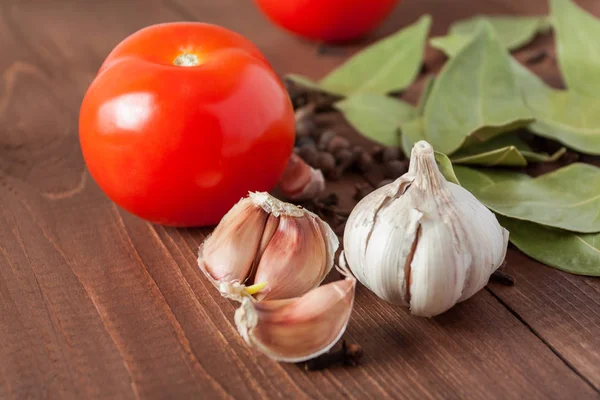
96,303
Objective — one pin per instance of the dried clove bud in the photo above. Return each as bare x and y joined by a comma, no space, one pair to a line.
306,141
364,162
395,169
325,138
502,278
337,143
362,189
308,154
390,154
301,328
281,250
377,153
326,163
349,354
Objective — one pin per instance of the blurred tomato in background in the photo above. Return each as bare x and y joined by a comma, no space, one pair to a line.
327,20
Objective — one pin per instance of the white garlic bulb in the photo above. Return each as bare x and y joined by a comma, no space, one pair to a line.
423,242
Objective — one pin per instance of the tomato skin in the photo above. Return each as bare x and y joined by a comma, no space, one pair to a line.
180,145
327,20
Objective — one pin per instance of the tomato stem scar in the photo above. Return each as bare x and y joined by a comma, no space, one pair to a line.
187,60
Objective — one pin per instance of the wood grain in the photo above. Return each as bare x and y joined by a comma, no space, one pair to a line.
96,303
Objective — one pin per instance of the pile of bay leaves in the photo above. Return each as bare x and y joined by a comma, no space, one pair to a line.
475,112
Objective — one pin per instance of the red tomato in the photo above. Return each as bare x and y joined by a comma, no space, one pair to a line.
179,145
327,20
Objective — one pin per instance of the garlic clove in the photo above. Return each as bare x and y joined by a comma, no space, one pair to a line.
298,329
228,254
295,260
300,181
279,249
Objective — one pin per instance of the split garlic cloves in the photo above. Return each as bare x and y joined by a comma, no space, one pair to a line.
423,242
301,328
269,248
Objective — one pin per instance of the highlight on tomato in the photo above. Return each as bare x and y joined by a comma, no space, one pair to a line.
182,120
327,20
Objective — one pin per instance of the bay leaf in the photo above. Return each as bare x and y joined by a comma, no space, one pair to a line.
477,180
504,150
513,31
568,198
568,117
376,116
450,44
508,156
532,156
307,83
445,166
386,66
577,253
577,46
410,133
415,127
475,97
425,92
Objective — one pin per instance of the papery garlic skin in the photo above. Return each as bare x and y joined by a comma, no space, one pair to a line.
298,329
423,242
263,240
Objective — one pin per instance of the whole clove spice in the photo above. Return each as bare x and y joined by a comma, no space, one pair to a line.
361,190
390,154
364,162
502,278
337,143
349,355
395,168
310,154
306,141
326,162
325,138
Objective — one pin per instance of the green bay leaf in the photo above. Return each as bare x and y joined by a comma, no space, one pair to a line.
445,166
512,31
410,133
577,253
565,116
504,150
376,116
577,46
450,44
478,180
568,198
308,83
387,66
508,156
475,97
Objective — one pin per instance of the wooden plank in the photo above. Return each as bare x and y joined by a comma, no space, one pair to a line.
96,303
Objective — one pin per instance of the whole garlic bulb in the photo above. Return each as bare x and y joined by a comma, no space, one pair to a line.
423,242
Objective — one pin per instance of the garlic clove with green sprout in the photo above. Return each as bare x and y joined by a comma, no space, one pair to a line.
301,328
423,242
269,248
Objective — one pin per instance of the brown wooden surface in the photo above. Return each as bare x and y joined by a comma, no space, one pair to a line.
96,303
